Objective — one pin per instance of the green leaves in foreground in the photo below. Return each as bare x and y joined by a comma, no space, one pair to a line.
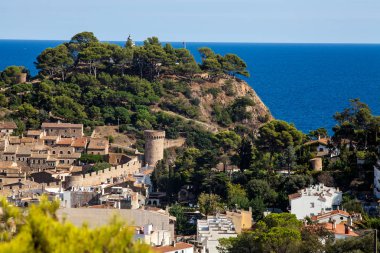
40,231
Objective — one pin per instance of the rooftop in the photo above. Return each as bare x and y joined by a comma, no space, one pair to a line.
177,246
98,143
8,125
60,125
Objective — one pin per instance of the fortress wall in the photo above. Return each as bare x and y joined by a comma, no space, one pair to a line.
174,143
96,178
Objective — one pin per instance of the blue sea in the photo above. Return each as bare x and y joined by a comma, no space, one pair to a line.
300,83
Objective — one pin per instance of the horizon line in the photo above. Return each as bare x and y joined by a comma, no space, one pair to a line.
232,42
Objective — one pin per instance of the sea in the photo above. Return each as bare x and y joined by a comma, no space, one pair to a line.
304,84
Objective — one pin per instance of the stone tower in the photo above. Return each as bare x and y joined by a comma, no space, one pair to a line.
154,146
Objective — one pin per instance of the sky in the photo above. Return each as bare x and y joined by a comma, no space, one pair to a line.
289,21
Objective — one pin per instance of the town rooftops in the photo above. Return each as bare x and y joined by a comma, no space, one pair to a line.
65,141
8,125
340,229
329,214
60,125
33,133
176,247
98,143
79,142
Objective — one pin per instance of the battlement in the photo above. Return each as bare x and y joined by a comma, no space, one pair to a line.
154,134
102,176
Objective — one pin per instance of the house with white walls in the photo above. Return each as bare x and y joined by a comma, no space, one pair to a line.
314,200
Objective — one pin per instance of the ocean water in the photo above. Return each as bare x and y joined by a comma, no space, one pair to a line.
300,83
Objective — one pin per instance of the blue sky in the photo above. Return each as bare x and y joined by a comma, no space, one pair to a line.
335,21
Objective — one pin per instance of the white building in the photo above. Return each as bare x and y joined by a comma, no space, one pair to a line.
376,183
314,200
211,230
152,237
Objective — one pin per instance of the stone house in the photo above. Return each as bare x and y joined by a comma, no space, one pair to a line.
98,146
7,127
62,129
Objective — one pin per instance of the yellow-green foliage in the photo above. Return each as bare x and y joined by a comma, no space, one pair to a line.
40,231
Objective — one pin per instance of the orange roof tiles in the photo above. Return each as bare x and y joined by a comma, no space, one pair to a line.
323,141
178,246
65,141
98,143
326,215
79,142
295,195
339,229
8,125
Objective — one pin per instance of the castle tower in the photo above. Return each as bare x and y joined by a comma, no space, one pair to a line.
154,146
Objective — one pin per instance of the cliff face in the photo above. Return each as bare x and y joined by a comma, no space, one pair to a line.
224,103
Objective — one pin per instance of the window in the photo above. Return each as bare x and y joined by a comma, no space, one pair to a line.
61,152
69,152
312,205
320,149
53,152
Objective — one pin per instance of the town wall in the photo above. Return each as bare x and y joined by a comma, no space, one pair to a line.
176,143
96,178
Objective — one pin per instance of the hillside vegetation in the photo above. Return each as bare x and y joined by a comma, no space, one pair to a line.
94,83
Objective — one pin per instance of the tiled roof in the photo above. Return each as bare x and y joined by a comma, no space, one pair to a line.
329,214
27,140
60,125
79,142
295,195
65,141
14,140
98,143
8,125
33,132
52,138
178,246
339,229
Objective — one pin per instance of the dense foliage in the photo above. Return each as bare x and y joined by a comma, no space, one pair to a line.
40,231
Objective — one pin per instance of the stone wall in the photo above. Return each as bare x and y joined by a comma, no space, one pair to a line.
96,178
174,143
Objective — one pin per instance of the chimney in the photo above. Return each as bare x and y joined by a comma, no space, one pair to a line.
333,224
173,243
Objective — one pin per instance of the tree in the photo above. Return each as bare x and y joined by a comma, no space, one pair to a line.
237,196
209,203
277,135
245,154
54,61
258,188
278,233
94,55
288,158
233,65
40,231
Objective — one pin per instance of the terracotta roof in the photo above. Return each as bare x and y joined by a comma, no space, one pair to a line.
339,229
33,132
295,195
27,140
79,142
65,141
98,143
60,125
332,213
39,156
178,246
52,138
8,125
14,140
